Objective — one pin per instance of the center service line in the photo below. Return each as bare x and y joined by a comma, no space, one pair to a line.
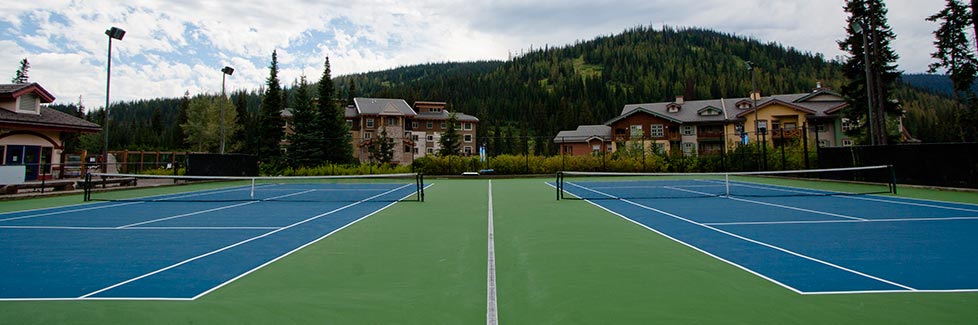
491,315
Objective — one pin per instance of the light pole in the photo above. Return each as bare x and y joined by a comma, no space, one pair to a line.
227,71
858,27
116,33
757,124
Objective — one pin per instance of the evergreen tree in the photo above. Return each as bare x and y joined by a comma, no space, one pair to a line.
953,52
335,133
271,123
304,142
243,141
351,91
450,142
870,15
179,136
382,148
21,76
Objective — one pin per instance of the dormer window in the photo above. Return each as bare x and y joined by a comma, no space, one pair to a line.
744,104
673,108
709,111
28,103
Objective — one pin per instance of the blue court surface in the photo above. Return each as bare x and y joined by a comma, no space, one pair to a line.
171,247
820,244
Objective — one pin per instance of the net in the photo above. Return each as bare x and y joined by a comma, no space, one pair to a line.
813,182
346,188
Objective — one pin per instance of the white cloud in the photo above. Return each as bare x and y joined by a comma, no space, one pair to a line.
174,46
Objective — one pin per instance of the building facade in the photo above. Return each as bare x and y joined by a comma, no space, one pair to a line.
710,126
416,132
32,136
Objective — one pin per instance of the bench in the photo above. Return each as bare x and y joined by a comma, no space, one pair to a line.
62,185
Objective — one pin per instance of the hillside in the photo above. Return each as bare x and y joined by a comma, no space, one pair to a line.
546,90
553,89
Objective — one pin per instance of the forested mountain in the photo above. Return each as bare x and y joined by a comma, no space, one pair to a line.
536,94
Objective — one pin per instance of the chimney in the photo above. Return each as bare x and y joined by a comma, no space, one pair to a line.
679,99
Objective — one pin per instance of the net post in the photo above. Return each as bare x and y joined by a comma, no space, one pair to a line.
560,185
252,188
726,183
420,184
86,188
893,181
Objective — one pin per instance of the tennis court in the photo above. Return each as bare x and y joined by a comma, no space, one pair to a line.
807,240
175,246
220,255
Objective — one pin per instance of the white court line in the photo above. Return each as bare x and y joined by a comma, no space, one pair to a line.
834,221
757,242
211,210
234,245
197,193
135,228
772,204
492,316
800,191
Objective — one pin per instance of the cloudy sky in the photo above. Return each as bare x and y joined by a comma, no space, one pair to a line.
175,46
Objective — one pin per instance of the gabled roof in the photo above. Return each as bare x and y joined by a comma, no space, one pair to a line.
771,102
584,133
11,91
48,119
817,93
640,109
383,106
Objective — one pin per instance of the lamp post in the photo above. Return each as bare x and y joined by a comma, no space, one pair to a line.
116,33
858,27
227,71
757,125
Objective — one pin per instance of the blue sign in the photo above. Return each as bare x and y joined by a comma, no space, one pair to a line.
744,138
482,153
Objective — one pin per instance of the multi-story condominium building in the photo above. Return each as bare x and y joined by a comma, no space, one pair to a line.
707,126
416,132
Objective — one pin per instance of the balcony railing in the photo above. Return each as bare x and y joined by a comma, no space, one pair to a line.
792,133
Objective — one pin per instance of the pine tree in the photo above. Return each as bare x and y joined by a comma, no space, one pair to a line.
871,14
450,144
243,140
21,76
179,136
304,142
382,148
271,123
335,133
953,52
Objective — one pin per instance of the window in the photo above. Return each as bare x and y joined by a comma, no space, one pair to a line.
414,137
568,149
429,125
657,131
673,108
367,135
349,123
635,131
689,147
370,123
415,151
392,121
431,150
414,124
762,126
467,151
596,149
821,128
468,138
776,125
687,130
824,143
28,103
407,149
846,142
431,138
444,125
468,125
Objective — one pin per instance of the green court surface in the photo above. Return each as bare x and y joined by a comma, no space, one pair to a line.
556,262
